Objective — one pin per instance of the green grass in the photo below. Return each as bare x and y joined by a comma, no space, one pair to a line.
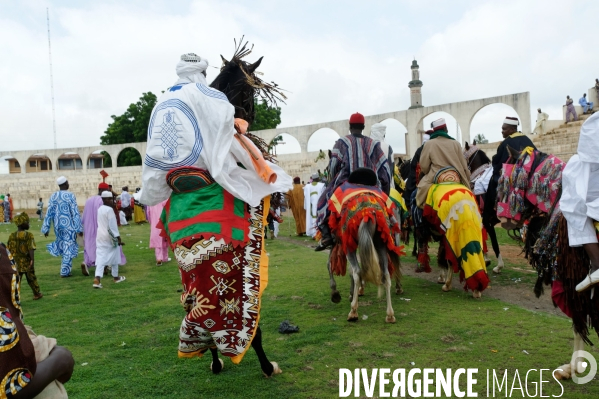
126,334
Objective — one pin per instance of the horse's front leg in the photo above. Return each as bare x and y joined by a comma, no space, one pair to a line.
381,250
335,296
447,286
356,280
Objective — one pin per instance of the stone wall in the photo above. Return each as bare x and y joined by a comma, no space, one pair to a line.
26,188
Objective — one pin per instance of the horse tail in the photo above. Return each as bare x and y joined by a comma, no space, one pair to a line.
369,260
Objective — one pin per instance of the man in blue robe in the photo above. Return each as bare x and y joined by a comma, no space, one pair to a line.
63,212
587,106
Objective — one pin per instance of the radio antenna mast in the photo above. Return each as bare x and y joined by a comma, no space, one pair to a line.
51,77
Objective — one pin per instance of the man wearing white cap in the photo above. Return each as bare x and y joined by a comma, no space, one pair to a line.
517,141
64,213
440,152
108,241
312,193
579,202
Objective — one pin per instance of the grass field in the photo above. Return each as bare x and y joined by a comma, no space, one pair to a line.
124,337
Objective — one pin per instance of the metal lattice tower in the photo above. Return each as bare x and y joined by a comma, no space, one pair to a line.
51,77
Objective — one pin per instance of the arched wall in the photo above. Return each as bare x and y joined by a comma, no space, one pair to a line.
462,111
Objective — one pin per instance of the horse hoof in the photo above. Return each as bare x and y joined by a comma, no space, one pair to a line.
361,291
497,269
563,372
477,294
399,291
216,370
275,370
390,319
352,316
440,280
446,288
336,297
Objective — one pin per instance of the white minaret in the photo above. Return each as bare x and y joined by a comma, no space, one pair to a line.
415,86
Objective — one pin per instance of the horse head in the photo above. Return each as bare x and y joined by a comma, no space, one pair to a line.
239,81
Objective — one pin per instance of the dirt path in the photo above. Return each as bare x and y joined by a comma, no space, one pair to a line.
519,294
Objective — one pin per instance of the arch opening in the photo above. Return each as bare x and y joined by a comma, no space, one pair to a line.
9,164
69,161
285,144
128,156
453,128
98,160
487,121
395,135
38,163
322,139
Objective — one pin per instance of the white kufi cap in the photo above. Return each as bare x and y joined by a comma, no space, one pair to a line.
106,194
61,180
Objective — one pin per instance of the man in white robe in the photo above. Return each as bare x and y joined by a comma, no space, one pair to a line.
542,117
126,203
377,133
108,242
192,124
579,202
312,192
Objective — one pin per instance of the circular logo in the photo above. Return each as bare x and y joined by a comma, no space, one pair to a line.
588,365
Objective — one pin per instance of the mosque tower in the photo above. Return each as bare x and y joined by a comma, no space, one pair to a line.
415,87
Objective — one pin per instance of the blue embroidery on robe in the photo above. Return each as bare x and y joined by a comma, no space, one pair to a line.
169,132
210,92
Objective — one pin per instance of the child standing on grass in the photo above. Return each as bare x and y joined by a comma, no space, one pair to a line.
21,245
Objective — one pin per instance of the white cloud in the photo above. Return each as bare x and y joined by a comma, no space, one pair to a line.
106,55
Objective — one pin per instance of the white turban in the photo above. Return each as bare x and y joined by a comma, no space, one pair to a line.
425,138
377,133
192,71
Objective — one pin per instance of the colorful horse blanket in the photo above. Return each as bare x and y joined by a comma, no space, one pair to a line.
452,211
217,241
352,204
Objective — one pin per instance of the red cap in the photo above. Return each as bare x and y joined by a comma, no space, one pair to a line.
357,118
103,186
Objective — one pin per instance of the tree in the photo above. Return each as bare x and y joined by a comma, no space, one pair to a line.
267,117
130,127
480,139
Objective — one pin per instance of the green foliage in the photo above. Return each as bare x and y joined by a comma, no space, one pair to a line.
267,117
130,127
480,139
274,143
107,159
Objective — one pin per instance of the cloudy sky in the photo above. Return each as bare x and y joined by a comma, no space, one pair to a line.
334,57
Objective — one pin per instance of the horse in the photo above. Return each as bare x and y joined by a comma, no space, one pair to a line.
478,163
240,83
528,197
364,219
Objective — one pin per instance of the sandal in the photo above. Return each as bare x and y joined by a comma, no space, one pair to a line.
120,280
98,285
84,269
588,282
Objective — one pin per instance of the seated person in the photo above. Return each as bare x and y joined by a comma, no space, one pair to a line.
440,152
579,202
22,376
587,106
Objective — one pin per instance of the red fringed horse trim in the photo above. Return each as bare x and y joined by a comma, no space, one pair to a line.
478,281
338,261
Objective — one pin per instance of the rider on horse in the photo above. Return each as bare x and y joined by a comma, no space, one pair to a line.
350,153
517,141
218,187
580,198
440,152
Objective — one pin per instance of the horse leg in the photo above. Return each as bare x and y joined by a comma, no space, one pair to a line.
441,279
398,287
355,268
381,249
268,368
361,288
447,286
493,236
335,296
217,364
564,372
